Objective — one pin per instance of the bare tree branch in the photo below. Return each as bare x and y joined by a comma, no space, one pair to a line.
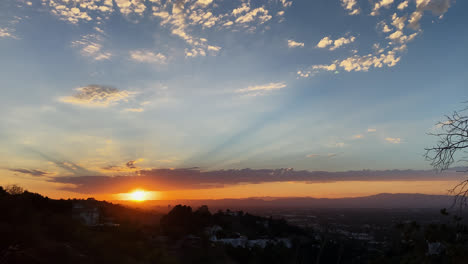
452,139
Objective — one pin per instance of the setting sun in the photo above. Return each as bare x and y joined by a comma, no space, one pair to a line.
138,196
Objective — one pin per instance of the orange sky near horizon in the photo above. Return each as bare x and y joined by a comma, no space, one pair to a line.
273,189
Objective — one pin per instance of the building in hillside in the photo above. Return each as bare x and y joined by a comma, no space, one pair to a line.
88,215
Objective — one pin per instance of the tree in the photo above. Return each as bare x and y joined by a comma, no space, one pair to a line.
14,189
452,140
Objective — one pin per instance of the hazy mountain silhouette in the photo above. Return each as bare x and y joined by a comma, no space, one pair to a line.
383,200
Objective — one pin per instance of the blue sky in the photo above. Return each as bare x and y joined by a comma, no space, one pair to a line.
310,85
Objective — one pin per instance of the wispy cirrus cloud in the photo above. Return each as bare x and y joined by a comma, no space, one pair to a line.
90,46
6,32
393,140
147,57
34,172
97,96
261,89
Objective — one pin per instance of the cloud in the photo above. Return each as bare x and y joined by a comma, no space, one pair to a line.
134,110
184,19
323,43
378,5
437,7
260,13
147,57
393,140
371,130
97,96
398,22
194,178
204,2
71,12
384,27
263,88
90,46
294,44
359,136
384,55
329,155
131,6
315,69
286,3
364,63
334,44
7,33
129,166
36,173
403,5
351,7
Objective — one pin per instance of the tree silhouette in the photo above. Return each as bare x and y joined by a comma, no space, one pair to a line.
452,140
14,189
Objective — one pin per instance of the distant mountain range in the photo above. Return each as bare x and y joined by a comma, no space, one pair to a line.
383,200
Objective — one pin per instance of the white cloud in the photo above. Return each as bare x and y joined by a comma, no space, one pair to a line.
403,5
323,43
294,44
334,44
359,136
203,3
71,12
342,41
260,12
147,56
364,63
315,69
286,3
351,7
398,22
437,7
179,16
393,140
330,67
378,5
97,96
371,130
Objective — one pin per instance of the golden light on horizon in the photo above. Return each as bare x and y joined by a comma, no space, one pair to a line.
138,195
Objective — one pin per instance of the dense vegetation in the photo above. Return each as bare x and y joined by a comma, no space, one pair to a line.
36,229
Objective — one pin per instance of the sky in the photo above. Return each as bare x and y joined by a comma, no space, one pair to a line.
216,98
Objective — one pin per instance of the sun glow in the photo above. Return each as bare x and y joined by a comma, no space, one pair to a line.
138,195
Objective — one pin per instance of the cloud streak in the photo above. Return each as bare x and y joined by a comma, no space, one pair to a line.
194,178
35,173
